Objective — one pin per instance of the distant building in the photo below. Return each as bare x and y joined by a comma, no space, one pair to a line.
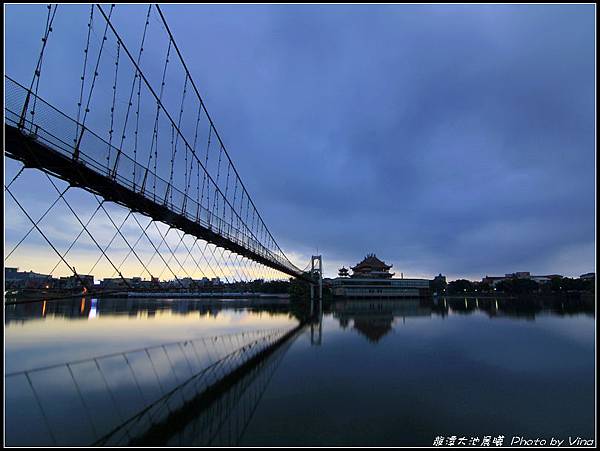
189,283
147,285
541,279
13,278
186,282
545,279
371,279
79,281
119,283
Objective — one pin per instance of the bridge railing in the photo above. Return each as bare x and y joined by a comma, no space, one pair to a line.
113,398
65,135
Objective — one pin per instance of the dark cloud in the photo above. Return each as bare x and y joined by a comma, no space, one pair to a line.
457,139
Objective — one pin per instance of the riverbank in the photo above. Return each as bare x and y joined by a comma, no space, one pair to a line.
213,297
196,295
529,296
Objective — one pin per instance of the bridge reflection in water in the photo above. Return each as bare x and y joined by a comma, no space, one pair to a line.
133,396
220,417
193,392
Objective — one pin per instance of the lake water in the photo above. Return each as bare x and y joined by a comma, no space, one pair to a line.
366,373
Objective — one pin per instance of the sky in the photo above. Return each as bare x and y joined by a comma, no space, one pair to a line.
453,139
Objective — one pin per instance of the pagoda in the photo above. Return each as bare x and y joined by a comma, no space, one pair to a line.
373,268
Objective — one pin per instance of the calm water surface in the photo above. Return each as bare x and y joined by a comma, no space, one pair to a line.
368,373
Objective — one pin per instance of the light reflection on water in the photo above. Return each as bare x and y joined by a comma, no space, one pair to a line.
369,372
45,333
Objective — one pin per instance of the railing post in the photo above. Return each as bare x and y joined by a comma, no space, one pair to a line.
113,172
143,186
77,144
24,112
167,194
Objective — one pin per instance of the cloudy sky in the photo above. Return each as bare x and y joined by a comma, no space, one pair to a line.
452,139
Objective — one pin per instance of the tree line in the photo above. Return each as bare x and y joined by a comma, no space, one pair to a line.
556,285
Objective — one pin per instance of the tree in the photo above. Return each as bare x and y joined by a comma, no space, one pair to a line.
517,286
299,289
460,286
484,287
438,285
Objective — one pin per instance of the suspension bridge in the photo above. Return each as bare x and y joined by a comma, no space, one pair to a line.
125,147
150,148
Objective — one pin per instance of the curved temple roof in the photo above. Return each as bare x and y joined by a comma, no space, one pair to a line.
371,261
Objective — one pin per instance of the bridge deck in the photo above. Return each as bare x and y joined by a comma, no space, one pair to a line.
47,150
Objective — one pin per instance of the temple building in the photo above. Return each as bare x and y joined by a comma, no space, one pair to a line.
371,278
373,268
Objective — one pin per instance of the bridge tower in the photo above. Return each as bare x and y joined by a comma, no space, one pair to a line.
316,275
316,272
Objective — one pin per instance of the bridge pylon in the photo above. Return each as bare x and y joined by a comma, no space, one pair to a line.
316,272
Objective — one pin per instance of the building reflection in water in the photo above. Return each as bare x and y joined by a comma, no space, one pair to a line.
173,378
376,318
372,318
